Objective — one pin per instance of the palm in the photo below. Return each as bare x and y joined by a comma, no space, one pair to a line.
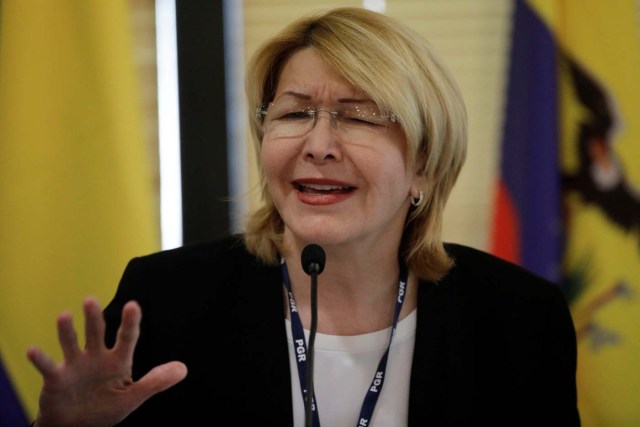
93,386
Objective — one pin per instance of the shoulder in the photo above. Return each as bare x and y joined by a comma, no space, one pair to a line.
477,265
203,267
224,254
488,278
223,249
486,293
193,278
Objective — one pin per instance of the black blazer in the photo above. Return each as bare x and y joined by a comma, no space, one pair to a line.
495,345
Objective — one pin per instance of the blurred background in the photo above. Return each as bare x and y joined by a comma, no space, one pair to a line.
123,131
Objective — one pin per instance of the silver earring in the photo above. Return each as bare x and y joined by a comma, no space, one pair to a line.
415,202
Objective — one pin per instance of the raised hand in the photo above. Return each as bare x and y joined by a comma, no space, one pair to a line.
93,387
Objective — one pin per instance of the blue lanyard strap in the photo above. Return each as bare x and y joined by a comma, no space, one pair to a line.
300,350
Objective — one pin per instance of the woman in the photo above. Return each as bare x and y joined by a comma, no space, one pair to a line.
361,133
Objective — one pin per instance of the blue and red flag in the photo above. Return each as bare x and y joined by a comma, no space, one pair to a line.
526,228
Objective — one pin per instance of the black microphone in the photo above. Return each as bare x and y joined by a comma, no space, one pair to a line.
313,259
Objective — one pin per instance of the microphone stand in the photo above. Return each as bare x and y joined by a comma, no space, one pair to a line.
314,269
313,259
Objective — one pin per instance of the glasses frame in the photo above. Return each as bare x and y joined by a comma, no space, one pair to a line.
261,113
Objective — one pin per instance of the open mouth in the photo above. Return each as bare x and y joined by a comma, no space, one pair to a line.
323,189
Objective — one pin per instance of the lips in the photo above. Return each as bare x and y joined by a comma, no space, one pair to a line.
322,191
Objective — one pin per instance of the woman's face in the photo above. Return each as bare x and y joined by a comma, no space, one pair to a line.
342,182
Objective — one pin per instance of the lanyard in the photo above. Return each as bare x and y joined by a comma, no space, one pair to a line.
300,349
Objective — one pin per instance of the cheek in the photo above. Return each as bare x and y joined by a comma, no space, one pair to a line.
387,170
397,181
274,161
268,158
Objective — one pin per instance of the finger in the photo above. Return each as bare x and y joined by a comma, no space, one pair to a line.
159,379
93,325
67,337
41,361
129,330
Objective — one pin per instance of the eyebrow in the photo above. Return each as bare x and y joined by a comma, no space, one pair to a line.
306,97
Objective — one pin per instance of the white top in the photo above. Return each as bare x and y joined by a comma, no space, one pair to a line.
343,371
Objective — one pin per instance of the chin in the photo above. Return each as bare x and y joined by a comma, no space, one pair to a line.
322,235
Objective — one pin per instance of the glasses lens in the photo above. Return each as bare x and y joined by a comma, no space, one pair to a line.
289,119
363,115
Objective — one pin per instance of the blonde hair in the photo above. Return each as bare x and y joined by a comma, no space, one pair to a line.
399,71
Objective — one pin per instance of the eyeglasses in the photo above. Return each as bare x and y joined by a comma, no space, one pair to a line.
290,119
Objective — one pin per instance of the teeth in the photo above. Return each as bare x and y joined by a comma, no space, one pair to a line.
323,188
320,187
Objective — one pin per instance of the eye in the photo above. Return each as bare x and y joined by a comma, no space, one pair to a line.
361,118
295,115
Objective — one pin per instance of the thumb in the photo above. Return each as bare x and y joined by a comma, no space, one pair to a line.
159,379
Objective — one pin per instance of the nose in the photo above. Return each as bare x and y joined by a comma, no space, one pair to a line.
321,143
331,115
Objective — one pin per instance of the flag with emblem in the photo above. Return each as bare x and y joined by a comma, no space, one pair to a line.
568,200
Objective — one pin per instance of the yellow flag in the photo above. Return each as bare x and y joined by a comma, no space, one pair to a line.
600,160
594,115
77,196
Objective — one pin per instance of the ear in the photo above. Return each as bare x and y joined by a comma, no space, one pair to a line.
418,184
